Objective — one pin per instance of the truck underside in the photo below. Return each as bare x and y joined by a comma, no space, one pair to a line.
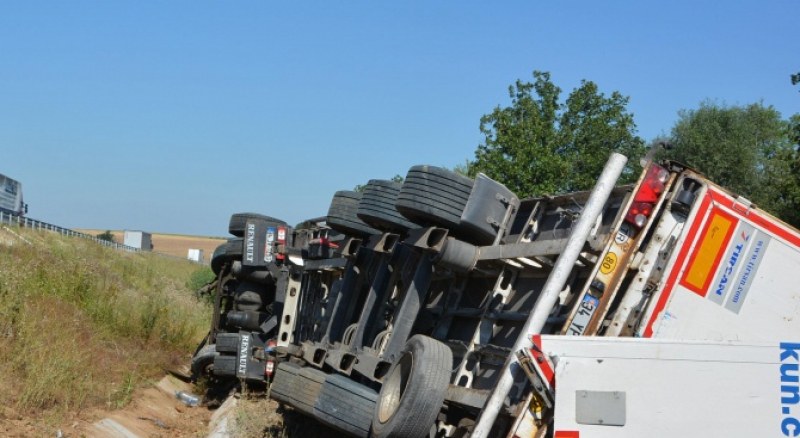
411,323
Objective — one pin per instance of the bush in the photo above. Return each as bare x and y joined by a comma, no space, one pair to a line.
108,236
200,278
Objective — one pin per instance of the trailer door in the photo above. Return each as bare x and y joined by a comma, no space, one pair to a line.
734,275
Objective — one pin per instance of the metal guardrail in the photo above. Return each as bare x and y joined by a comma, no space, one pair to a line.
6,218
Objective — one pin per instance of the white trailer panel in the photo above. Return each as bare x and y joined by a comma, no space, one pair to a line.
195,255
734,277
138,239
629,387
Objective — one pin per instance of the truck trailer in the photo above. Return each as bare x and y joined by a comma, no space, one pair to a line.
688,261
613,387
422,321
11,201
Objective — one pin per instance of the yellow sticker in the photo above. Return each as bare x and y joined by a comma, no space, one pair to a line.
609,263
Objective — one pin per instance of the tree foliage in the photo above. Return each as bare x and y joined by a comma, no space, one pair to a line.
748,149
107,235
361,187
540,145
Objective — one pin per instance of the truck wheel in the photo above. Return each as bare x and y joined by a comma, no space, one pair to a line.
239,221
346,405
414,389
297,386
434,196
228,251
342,215
227,343
203,362
377,207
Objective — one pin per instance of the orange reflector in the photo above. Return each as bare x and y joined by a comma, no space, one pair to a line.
708,251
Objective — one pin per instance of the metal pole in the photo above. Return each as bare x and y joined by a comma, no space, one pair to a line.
553,286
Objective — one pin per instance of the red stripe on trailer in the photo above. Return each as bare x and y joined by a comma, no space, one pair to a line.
759,218
673,276
541,360
567,434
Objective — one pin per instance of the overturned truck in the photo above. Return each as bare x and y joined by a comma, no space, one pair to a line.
413,322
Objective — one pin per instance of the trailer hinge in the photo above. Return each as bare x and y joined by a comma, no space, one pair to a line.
544,397
743,205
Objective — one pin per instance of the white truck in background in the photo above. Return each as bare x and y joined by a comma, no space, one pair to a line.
11,201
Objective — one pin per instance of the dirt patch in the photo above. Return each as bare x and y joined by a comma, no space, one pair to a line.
153,412
156,412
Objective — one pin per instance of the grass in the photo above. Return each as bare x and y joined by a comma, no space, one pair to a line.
83,326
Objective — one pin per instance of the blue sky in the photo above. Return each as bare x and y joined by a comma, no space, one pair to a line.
170,116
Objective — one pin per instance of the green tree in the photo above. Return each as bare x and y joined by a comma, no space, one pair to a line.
361,187
461,168
108,236
539,145
748,149
783,178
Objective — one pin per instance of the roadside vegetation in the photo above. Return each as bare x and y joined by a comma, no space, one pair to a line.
82,326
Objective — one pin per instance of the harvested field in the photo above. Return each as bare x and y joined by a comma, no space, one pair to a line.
176,245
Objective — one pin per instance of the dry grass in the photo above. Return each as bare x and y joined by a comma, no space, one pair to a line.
171,244
83,325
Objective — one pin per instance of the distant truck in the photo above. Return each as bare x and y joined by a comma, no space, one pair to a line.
138,239
195,255
11,201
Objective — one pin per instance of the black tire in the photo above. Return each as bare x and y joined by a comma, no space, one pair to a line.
377,209
414,389
454,207
227,343
225,365
434,196
439,189
203,362
297,386
342,215
346,405
239,221
441,176
228,251
427,211
217,259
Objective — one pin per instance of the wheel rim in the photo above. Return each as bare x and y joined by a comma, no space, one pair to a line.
394,387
